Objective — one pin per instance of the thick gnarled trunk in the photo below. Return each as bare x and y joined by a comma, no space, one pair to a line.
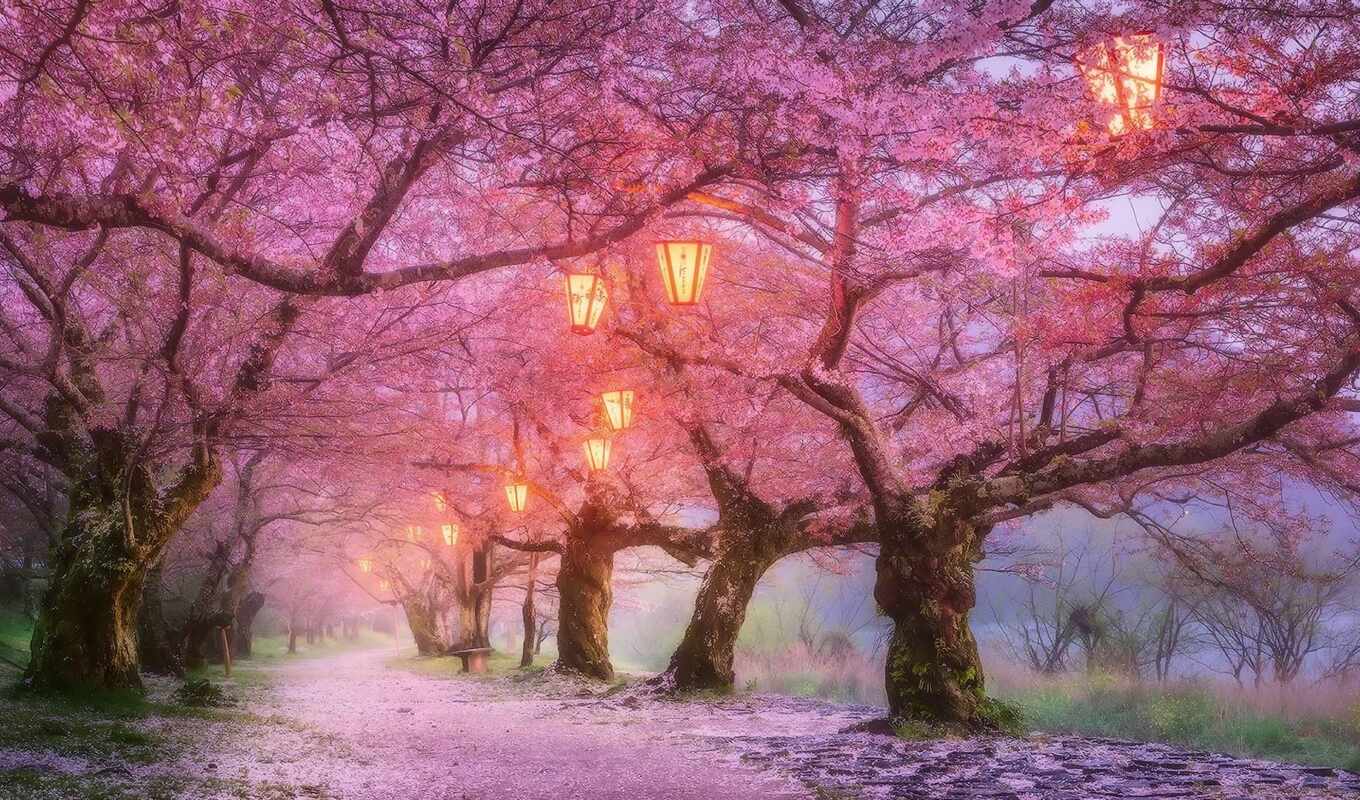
925,584
584,596
425,621
118,525
703,660
86,636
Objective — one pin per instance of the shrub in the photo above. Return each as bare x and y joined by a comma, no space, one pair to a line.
202,693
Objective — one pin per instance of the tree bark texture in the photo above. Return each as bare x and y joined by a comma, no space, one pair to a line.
925,584
118,526
584,596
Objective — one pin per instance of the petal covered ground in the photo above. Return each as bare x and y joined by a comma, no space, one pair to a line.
354,727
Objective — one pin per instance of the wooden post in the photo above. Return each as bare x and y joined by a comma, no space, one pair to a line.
226,651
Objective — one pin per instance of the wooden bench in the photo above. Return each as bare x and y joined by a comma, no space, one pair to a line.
474,659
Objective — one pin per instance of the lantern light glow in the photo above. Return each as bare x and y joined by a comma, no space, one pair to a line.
413,533
684,266
440,503
618,408
450,533
1126,73
586,297
597,452
517,495
365,565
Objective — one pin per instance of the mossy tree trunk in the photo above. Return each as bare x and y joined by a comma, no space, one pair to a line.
703,660
585,593
118,526
925,584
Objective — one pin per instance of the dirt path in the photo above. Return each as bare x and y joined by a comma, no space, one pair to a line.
355,727
370,731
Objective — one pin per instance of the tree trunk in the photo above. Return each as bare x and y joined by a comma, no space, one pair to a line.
292,639
526,656
703,660
201,620
584,596
423,620
153,635
86,635
924,583
483,630
243,631
118,524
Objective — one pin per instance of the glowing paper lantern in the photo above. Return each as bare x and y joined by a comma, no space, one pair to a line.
1126,73
414,533
450,534
517,495
597,452
384,584
365,565
586,296
618,408
440,504
684,265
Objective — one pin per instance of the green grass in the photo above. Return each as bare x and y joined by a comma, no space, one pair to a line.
16,631
28,784
97,728
1186,715
498,664
274,648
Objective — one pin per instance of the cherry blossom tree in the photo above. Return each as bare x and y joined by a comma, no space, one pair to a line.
223,224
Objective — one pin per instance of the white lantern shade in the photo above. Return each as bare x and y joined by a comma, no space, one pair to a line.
450,534
517,495
597,452
586,297
684,267
618,408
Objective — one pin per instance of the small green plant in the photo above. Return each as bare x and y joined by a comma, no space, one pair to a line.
203,693
1002,716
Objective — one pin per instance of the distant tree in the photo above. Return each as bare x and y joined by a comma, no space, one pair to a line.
1269,607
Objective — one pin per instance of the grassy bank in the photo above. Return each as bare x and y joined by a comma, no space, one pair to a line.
1307,723
1202,716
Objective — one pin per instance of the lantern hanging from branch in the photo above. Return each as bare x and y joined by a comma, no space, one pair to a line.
384,585
365,565
440,504
413,533
450,534
517,495
597,449
684,266
1126,73
586,297
618,408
